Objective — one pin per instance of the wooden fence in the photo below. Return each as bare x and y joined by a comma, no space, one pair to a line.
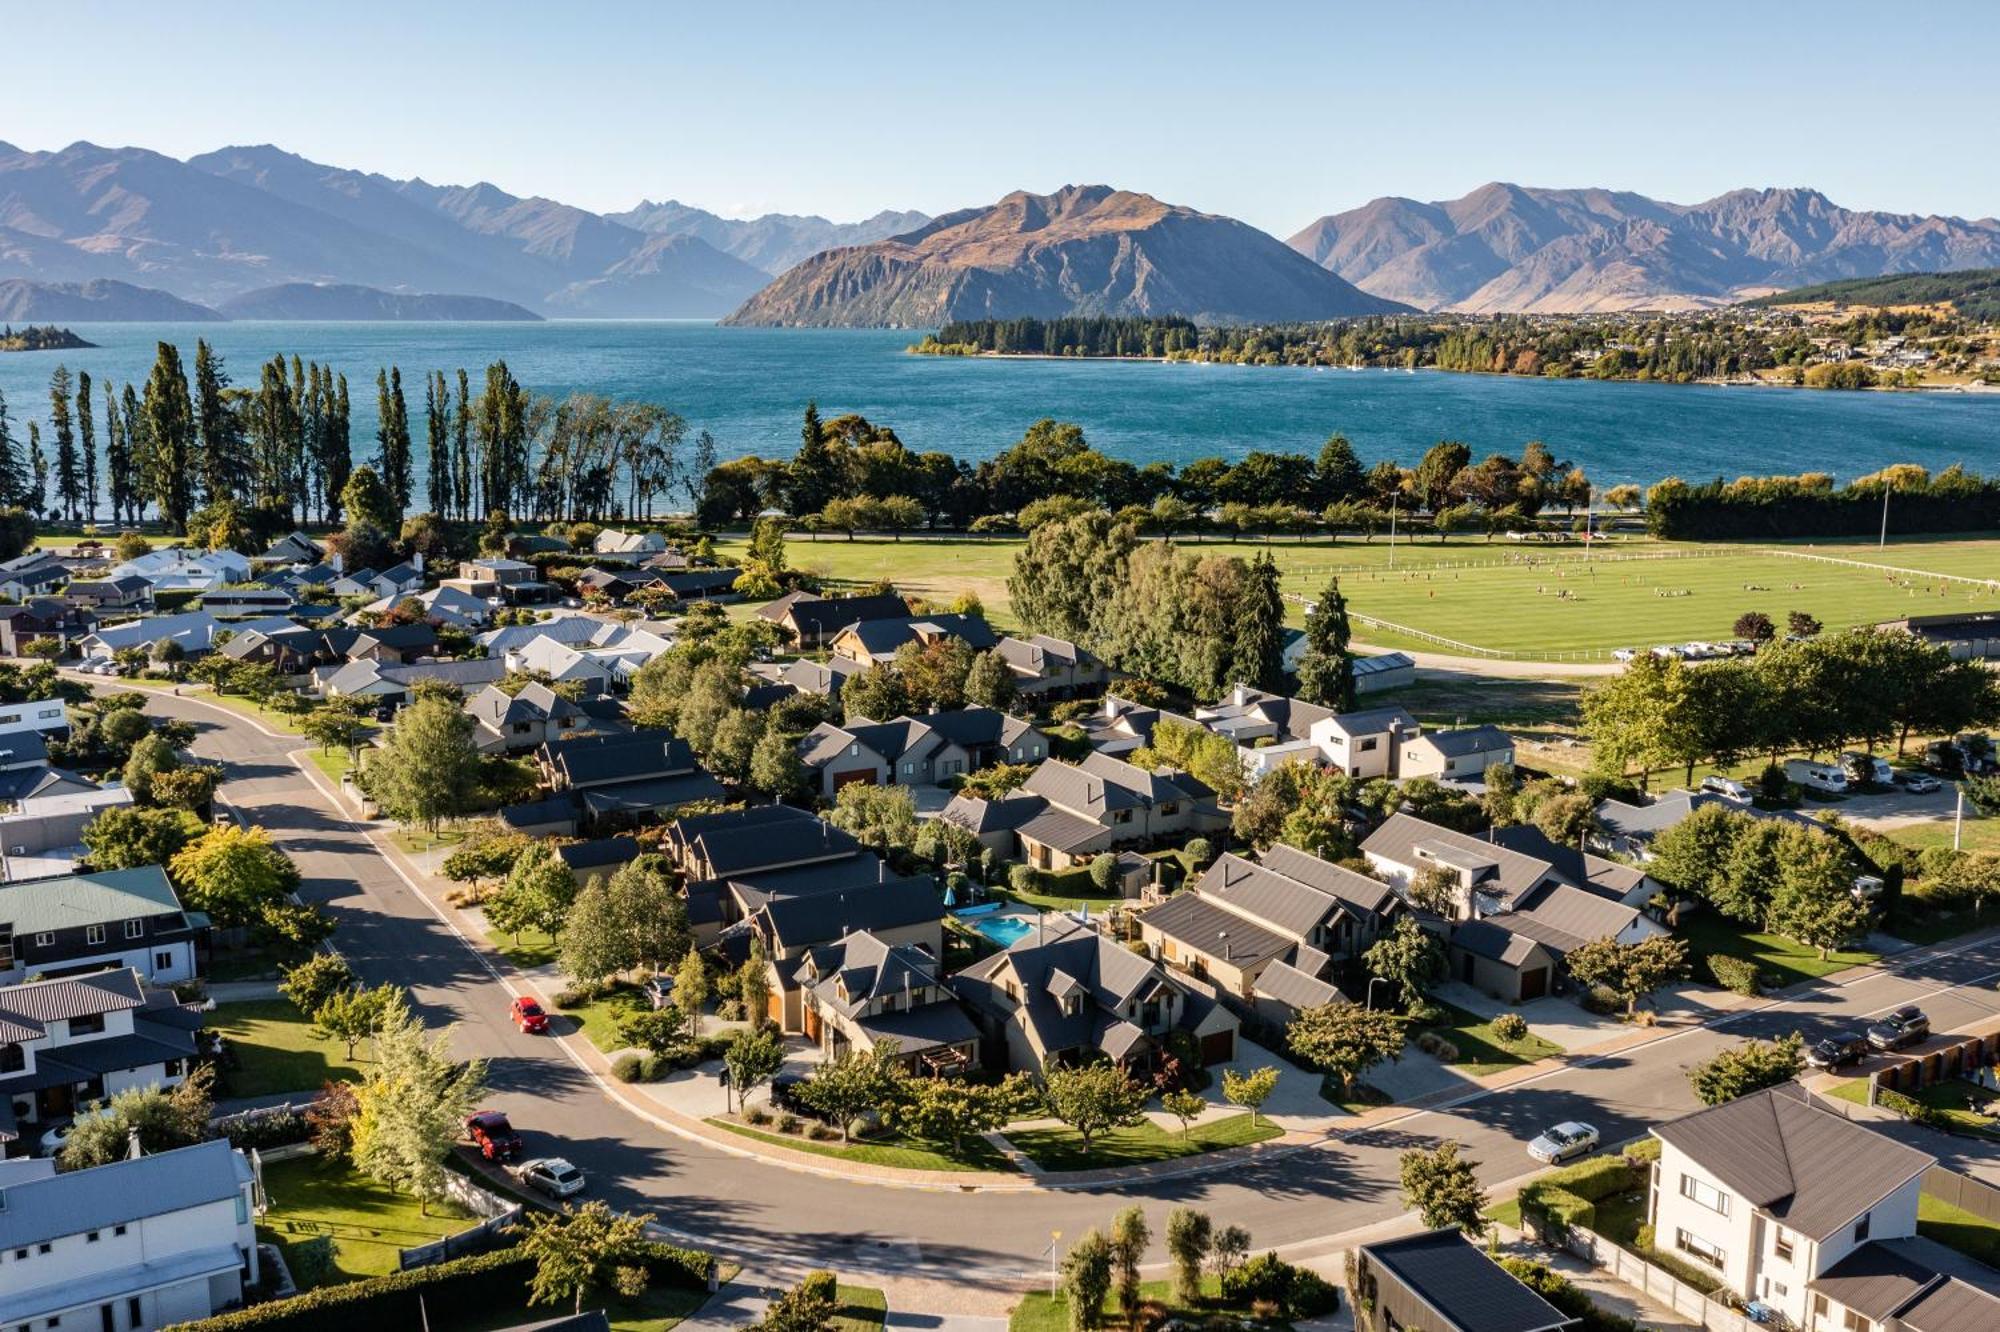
1656,1283
501,1216
1966,1055
1964,1192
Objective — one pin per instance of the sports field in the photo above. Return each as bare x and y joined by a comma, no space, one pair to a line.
1540,603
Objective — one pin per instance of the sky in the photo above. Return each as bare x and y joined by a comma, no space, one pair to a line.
1275,113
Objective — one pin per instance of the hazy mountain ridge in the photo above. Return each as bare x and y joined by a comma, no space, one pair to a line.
101,300
774,242
1086,249
1507,247
345,302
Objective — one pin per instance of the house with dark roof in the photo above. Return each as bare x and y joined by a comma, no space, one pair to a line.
33,580
530,717
877,640
1267,729
1103,803
1440,1281
1810,1213
862,991
43,617
800,912
129,593
298,548
65,1044
699,584
72,923
1046,668
287,651
600,856
1119,726
994,823
394,644
393,686
141,1243
813,620
1065,994
1613,880
617,780
1287,909
822,678
917,751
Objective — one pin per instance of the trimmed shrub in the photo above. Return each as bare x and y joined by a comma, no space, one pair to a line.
1557,1290
1566,1198
1734,973
1294,1292
1510,1027
271,1129
1424,1013
1602,999
1438,1047
627,1067
756,1114
820,1132
788,1122
578,993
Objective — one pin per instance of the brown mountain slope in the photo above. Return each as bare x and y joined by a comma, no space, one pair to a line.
1505,247
1088,250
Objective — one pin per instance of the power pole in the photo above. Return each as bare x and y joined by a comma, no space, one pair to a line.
1883,542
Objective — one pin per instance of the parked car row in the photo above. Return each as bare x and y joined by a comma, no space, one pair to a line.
1697,650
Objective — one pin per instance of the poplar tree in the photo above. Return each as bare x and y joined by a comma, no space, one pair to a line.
339,447
461,449
224,462
138,455
392,439
170,442
117,457
86,441
437,443
69,476
38,472
13,479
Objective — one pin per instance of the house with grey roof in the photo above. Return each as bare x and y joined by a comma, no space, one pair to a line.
442,605
617,780
112,595
1064,994
1118,725
1287,909
191,631
65,1044
813,620
1440,1281
1046,668
917,751
862,991
526,719
1268,729
1628,830
1102,803
876,640
298,548
1812,1214
993,823
393,685
1461,754
72,923
136,1244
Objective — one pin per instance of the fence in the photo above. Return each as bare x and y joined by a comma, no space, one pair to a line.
1656,1283
501,1216
1963,1192
1971,1052
1927,575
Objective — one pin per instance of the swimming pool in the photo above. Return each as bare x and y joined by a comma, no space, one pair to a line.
1004,930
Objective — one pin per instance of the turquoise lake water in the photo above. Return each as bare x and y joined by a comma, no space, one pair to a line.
749,386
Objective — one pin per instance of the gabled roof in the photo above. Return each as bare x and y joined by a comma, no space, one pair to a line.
1038,654
1468,1290
1111,973
817,617
38,1002
1884,1276
852,972
401,637
121,1192
880,637
1374,721
1566,918
1404,839
1244,708
1644,822
1593,874
1489,938
992,816
1260,893
574,630
1357,890
1811,1169
796,922
598,759
1283,983
193,630
1200,923
68,901
733,850
1467,740
603,853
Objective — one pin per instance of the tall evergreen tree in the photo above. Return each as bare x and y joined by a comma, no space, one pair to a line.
1257,654
68,474
437,443
461,450
38,472
1326,671
117,458
86,443
503,440
273,432
1338,476
339,447
392,438
138,469
13,476
814,480
170,442
225,464
312,430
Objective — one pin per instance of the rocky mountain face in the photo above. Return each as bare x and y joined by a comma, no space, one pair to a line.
242,219
1509,248
774,242
1084,250
100,299
334,301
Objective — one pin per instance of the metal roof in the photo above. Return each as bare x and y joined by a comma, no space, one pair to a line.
36,906
1192,919
121,1192
1469,1291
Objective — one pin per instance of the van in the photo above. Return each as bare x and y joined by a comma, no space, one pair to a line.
1824,778
1866,769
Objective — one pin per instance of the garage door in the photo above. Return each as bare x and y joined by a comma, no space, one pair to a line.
775,1007
1534,984
853,775
1218,1047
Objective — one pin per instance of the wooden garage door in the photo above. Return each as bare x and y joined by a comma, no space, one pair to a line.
775,1007
1534,983
853,775
1218,1047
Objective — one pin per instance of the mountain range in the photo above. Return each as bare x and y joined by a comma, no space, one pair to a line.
1509,248
1086,249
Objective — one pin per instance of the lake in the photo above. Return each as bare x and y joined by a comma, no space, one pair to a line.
748,387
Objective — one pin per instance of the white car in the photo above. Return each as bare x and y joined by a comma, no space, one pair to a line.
54,1140
1624,654
1727,787
1564,1142
551,1176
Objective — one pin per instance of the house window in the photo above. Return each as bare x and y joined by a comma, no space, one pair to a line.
1861,1228
161,961
1122,816
86,1024
1714,1199
90,1237
1171,808
1854,1322
135,1313
134,928
93,934
45,939
1697,1247
1366,745
242,1211
909,768
1781,1245
118,1230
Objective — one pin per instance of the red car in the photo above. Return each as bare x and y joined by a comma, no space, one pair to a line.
494,1136
529,1016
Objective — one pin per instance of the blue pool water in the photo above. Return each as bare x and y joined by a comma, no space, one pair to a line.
1004,930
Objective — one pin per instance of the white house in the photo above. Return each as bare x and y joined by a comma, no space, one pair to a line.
43,716
1809,1213
130,1246
1364,744
179,569
83,922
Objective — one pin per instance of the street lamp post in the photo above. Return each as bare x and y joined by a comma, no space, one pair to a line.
1374,981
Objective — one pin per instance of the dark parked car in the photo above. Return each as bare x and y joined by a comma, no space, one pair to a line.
1905,1026
1837,1051
493,1136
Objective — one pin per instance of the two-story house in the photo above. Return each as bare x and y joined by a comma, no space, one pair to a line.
1809,1213
1364,744
65,1044
394,685
33,579
1102,803
1267,729
39,618
735,861
1046,668
1268,931
527,719
917,751
862,991
813,620
877,640
297,548
131,1246
1462,754
178,569
394,645
625,778
1119,725
805,915
110,596
1065,994
73,923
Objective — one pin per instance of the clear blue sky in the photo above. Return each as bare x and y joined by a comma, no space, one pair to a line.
1275,113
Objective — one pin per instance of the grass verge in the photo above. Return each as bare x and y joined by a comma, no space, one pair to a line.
368,1222
533,947
1039,1311
1481,1051
599,1019
276,1050
898,1153
1141,1144
1785,961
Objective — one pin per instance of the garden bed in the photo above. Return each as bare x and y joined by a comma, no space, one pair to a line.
898,1152
1059,1148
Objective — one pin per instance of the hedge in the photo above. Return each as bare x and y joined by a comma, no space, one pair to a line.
1734,973
1567,1198
477,1283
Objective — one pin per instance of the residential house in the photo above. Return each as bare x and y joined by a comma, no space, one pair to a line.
917,751
394,644
1610,879
620,779
1460,755
1290,908
1628,830
521,545
359,583
813,620
700,584
45,717
823,679
1066,994
74,923
1120,726
995,823
868,641
567,665
192,631
128,593
1267,729
178,569
1805,1211
33,580
42,617
47,809
514,581
393,686
444,605
862,991
611,541
313,581
1366,743
293,651
902,912
248,601
1440,1281
570,630
1048,668
738,861
65,1044
298,548
132,1246
600,857
1102,803
527,719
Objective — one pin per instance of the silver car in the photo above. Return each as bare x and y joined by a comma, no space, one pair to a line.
551,1176
1564,1142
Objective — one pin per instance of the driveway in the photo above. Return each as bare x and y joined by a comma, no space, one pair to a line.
1562,1021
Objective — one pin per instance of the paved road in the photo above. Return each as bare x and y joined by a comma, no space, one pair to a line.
783,1217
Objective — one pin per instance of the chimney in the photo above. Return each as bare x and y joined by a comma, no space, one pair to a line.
133,1151
881,871
1224,936
417,561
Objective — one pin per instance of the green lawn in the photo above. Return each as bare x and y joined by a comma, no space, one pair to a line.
1962,1230
1979,833
334,763
534,948
862,1308
420,841
1063,1149
1954,1097
1065,890
276,1050
1480,1049
660,1308
599,1018
270,717
1779,958
899,1153
369,1222
1039,1311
